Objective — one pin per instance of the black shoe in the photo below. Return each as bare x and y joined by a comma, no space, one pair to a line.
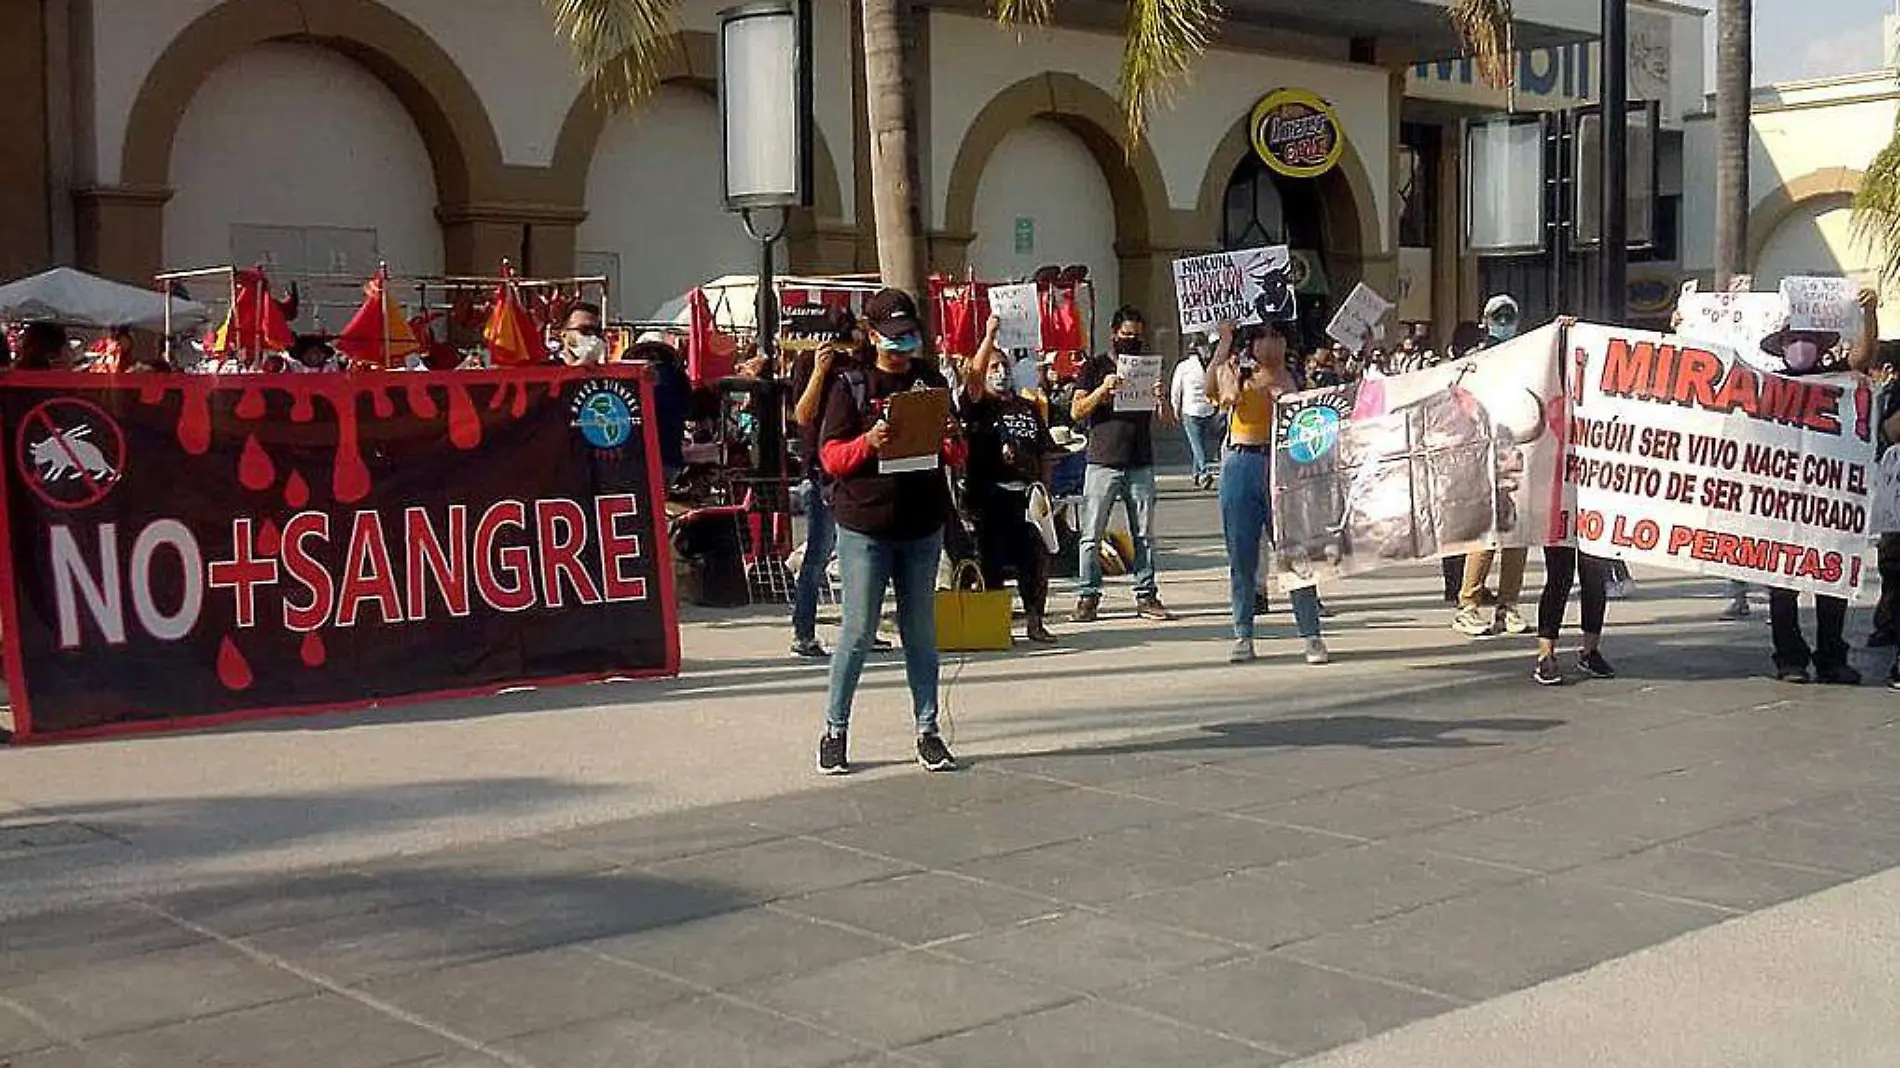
1548,672
1836,675
881,644
933,754
1883,639
1087,610
1152,608
1326,611
1797,676
809,648
1893,680
1262,604
1594,665
831,759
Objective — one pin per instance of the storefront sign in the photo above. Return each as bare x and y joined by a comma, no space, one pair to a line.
186,548
1297,134
1652,295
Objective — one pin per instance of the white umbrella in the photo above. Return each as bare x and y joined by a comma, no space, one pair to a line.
75,298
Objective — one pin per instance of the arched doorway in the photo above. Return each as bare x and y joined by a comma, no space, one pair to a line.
1261,207
1043,200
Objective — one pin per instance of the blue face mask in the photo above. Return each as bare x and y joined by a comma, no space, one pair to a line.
1503,329
901,343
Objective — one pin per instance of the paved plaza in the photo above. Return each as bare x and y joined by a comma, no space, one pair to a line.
1410,857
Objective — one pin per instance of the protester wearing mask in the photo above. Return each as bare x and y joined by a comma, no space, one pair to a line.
1199,416
1247,374
1481,613
1121,467
890,527
1010,454
581,342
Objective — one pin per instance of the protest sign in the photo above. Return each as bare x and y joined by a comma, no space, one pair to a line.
1822,305
1358,320
1884,504
1441,461
1736,321
1682,456
1246,287
1018,310
1141,378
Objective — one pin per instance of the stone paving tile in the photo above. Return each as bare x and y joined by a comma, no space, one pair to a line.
1091,871
236,911
350,949
324,1030
1085,1034
1319,769
1090,768
922,908
513,995
158,987
19,1035
44,943
456,1060
552,911
736,948
1211,788
1360,811
1289,1006
62,1057
994,828
1087,952
1509,839
1849,849
1741,883
1233,841
1506,938
782,868
846,804
904,998
651,839
704,1033
1496,785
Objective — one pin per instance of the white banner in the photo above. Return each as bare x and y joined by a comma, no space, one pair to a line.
1246,287
1684,457
1018,310
1359,318
1737,321
1140,387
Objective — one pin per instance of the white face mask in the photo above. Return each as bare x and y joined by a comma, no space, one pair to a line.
586,349
999,380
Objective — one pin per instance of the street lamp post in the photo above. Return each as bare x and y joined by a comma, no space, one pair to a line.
765,114
1615,111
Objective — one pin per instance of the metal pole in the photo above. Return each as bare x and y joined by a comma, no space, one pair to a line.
1615,113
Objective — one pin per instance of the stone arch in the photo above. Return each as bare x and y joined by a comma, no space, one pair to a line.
1832,183
455,128
1352,219
1135,182
691,63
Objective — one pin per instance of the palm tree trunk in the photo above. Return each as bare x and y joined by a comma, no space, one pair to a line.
1734,75
894,188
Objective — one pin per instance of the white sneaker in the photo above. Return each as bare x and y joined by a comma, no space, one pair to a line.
1510,622
1242,652
1474,622
1317,653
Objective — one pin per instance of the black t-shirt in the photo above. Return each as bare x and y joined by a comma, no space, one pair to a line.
802,367
994,423
1116,439
901,507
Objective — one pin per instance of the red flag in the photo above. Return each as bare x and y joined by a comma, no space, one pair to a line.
708,352
256,322
377,333
512,339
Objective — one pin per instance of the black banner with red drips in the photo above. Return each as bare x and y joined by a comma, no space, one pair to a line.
184,548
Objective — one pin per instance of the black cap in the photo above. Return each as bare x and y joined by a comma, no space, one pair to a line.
891,312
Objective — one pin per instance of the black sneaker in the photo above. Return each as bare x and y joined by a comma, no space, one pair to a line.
881,644
1797,676
831,759
809,649
1594,665
1893,680
933,754
1836,675
1548,672
1087,610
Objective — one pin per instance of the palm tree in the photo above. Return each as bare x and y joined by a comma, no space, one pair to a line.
1734,75
1877,205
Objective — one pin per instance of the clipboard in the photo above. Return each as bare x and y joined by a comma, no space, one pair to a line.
917,418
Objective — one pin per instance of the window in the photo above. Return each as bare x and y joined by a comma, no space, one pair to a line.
1264,209
1418,185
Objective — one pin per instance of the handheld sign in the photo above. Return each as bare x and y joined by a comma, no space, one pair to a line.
1246,288
1019,314
1739,321
1141,377
1823,305
1358,320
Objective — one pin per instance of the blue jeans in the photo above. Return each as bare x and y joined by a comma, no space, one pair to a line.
1101,488
1246,515
1197,427
821,537
870,565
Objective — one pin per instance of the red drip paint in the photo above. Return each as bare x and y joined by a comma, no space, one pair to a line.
465,423
255,471
233,670
251,405
521,400
385,404
312,651
300,409
194,421
269,539
351,481
296,490
420,402
501,397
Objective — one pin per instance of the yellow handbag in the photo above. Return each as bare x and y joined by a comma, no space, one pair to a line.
971,619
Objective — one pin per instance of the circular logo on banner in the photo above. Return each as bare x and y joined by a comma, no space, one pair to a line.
1297,134
604,414
70,452
1311,434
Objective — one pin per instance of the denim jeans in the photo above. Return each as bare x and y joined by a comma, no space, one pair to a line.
1101,488
1197,427
869,566
821,537
1246,514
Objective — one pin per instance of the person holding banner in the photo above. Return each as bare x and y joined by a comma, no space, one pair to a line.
1247,375
1121,467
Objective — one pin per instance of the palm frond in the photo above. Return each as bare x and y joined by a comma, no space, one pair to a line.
1877,208
1485,26
1017,12
620,46
1163,39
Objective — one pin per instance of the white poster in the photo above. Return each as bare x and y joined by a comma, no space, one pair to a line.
1823,305
1246,287
1019,312
1737,321
1684,457
1140,383
1884,511
1359,318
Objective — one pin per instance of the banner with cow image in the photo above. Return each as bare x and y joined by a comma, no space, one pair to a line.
189,548
1462,456
1683,456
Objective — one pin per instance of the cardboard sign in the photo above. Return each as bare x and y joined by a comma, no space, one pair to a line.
1737,321
1823,305
1358,320
1245,288
1141,378
1019,312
